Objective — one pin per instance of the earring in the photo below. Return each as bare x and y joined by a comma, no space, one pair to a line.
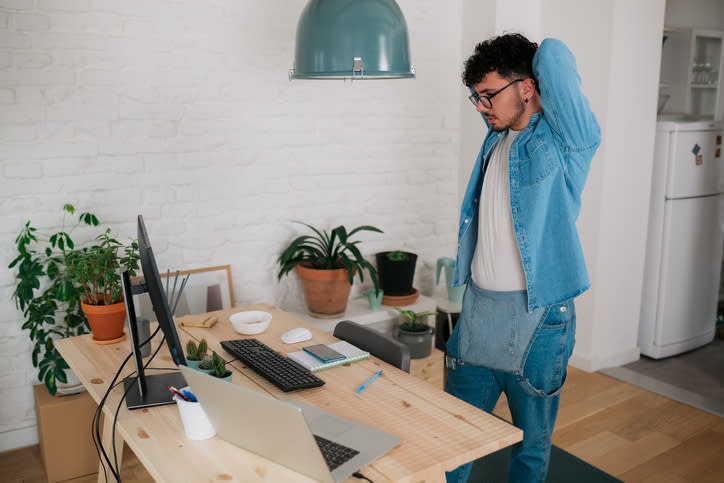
526,100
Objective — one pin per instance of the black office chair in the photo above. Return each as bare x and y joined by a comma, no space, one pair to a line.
376,343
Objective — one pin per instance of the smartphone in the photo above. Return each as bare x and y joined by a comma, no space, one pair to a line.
324,353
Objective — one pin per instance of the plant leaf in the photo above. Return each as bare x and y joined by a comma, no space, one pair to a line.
365,228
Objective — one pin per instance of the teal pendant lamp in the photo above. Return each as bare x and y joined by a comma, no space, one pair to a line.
357,39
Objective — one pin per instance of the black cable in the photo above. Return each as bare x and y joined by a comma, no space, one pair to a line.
96,417
113,430
95,423
95,444
360,476
125,393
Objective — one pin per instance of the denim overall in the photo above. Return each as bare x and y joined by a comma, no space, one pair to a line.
498,346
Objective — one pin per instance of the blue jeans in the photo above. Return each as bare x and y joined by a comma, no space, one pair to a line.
533,393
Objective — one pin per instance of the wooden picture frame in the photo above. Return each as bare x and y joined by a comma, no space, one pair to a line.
207,289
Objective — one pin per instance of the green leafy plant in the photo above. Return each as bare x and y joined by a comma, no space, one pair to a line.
397,256
328,251
50,286
96,268
196,352
219,366
412,325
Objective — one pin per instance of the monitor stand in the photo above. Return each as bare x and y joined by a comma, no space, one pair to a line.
144,390
156,393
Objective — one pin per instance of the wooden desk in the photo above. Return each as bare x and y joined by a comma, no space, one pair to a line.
439,432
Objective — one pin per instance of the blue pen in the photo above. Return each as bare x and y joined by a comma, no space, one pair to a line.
189,395
359,390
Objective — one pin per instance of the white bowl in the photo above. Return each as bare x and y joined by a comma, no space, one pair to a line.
251,322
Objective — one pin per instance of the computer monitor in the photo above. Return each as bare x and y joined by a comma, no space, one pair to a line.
150,390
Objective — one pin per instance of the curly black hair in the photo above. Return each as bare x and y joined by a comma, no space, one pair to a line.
510,54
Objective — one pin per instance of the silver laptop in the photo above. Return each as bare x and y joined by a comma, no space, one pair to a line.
284,431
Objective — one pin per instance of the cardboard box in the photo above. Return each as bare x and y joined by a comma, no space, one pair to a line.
64,430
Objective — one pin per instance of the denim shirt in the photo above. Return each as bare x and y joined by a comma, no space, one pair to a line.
548,165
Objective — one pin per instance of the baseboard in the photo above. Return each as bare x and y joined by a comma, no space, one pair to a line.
18,438
592,365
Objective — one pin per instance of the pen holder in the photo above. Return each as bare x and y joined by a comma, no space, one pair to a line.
196,423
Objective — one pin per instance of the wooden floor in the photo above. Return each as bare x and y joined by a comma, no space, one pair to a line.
633,434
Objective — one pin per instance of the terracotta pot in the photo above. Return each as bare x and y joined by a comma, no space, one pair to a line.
325,291
106,321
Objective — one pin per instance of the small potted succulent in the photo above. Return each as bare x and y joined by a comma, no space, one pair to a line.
415,334
195,353
207,364
219,369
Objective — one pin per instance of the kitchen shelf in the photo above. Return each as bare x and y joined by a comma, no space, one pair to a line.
688,57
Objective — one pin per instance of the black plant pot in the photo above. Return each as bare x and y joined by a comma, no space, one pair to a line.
396,275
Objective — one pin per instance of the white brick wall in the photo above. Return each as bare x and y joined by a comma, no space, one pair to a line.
182,111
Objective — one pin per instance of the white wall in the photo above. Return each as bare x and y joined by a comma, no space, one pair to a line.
625,191
182,110
703,14
479,20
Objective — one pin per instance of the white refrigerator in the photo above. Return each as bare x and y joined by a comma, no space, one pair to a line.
684,244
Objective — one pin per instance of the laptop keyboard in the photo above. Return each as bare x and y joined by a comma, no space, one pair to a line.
334,454
271,365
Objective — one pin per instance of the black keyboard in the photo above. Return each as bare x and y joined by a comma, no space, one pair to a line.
334,454
271,365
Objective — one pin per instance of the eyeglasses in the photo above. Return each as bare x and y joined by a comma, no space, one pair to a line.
487,101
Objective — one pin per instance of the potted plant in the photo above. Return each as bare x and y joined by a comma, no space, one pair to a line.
397,271
195,353
219,368
48,295
326,264
415,335
97,270
207,364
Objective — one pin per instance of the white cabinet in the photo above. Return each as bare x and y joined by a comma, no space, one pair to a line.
691,80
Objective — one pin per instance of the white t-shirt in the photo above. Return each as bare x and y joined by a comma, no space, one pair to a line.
496,263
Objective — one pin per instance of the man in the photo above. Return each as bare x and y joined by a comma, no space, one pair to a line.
518,248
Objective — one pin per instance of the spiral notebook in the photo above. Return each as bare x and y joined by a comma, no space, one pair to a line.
350,352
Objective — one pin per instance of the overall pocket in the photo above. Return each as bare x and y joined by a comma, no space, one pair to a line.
544,371
495,329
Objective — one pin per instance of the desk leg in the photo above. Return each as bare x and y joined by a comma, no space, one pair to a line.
108,446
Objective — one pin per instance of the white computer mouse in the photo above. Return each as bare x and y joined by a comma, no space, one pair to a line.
296,335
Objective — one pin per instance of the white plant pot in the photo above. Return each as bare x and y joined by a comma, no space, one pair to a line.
73,386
